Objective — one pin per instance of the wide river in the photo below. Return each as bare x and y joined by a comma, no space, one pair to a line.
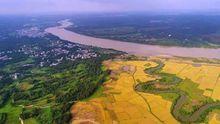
131,48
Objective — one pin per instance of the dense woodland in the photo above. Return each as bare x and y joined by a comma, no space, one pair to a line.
42,77
55,88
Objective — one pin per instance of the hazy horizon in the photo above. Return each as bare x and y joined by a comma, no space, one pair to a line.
99,6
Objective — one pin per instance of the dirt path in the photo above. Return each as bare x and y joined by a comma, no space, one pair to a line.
21,120
145,100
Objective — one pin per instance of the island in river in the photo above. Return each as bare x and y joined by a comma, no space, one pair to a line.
131,48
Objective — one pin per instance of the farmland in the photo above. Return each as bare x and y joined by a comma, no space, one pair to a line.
141,91
120,101
41,76
47,80
165,30
207,76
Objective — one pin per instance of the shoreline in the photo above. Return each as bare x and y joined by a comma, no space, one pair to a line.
130,48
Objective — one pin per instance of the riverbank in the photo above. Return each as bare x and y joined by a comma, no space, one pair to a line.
131,48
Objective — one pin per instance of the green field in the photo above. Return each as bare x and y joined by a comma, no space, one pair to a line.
13,113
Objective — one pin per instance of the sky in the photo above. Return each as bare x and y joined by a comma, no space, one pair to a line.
63,6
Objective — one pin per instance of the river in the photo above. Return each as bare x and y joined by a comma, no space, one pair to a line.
130,48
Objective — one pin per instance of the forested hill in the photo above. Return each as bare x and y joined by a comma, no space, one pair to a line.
41,76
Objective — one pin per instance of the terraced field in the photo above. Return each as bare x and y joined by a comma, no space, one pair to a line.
126,97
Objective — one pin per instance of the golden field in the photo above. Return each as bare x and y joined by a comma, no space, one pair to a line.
120,103
206,75
214,119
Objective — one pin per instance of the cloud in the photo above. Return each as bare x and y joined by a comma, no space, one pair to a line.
47,6
38,6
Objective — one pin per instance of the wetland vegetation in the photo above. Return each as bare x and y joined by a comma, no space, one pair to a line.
189,103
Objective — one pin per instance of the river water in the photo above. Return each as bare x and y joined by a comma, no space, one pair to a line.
131,48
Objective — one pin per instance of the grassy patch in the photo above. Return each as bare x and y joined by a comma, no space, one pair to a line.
43,101
46,116
169,78
31,121
169,96
191,89
13,113
39,70
11,67
25,86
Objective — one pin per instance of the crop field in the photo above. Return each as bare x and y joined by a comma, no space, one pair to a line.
214,118
123,102
206,75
